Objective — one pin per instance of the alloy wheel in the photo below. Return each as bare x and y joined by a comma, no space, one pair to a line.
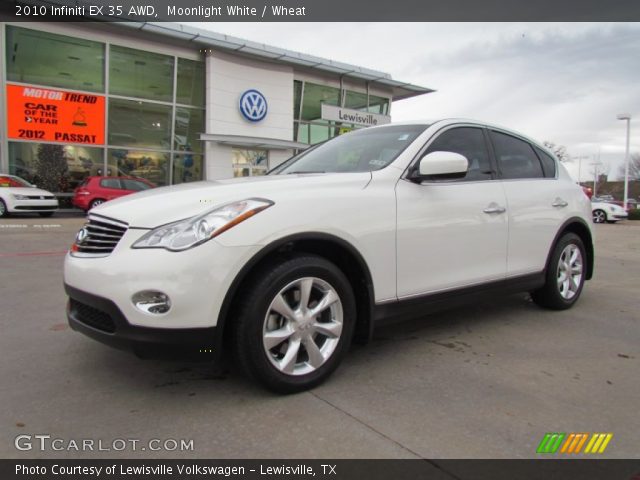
302,326
570,271
599,216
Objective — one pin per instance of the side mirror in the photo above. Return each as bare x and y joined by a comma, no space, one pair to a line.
442,165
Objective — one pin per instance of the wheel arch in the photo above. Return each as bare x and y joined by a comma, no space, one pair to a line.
578,226
340,252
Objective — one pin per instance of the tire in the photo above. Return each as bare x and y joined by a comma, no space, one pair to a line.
3,209
599,216
561,291
282,362
95,203
46,214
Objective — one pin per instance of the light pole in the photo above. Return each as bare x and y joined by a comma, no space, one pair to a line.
579,159
595,177
627,117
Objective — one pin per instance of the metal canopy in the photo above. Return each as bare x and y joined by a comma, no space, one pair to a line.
253,142
208,39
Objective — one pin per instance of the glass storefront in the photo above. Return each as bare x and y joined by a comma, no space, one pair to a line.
309,127
153,122
249,162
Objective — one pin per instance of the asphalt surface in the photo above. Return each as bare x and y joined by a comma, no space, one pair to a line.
484,381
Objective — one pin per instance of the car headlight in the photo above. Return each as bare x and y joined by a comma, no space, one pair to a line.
193,231
19,197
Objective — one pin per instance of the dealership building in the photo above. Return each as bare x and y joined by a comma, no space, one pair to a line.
169,102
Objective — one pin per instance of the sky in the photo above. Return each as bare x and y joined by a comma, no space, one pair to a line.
558,82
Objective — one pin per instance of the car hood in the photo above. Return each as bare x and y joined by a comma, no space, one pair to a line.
158,206
27,191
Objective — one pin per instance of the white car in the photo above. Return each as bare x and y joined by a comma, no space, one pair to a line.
19,196
607,212
286,269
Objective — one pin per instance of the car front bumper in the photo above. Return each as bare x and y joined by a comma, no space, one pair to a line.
102,320
100,290
26,206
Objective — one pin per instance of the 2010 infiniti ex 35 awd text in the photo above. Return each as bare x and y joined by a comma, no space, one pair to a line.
286,270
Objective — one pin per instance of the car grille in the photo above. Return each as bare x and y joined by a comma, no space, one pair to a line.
40,197
36,207
92,317
99,236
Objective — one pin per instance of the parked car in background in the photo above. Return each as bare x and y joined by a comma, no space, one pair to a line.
94,191
632,204
19,196
607,212
285,269
602,198
588,191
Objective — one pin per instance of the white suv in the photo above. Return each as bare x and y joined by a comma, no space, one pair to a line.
287,269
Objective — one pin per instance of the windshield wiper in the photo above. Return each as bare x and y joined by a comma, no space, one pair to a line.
306,171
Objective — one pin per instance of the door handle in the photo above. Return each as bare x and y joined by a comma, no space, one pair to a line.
558,202
493,208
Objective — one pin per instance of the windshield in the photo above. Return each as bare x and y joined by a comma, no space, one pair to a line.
12,181
361,151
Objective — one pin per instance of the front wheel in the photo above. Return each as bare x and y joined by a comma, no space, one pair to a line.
599,216
295,323
3,209
565,275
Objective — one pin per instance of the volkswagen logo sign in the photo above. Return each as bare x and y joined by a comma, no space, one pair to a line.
253,105
81,236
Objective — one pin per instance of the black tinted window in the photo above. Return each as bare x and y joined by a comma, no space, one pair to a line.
548,163
469,142
110,183
516,157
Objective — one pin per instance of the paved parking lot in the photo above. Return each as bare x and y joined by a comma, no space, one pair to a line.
485,381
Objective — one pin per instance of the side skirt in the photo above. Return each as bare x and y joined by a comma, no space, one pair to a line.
415,307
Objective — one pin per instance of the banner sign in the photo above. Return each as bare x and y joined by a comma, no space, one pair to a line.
348,115
46,115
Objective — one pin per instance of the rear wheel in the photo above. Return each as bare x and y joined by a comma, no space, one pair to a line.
599,216
565,275
3,209
295,323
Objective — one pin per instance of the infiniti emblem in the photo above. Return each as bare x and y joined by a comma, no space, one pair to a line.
81,236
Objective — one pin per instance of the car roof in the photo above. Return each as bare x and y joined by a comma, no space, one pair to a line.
443,122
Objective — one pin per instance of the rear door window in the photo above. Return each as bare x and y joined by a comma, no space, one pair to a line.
516,158
548,163
110,183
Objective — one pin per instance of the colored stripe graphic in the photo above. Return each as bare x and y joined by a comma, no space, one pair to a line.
550,442
573,443
598,443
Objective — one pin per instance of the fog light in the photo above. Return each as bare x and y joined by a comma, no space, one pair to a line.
151,301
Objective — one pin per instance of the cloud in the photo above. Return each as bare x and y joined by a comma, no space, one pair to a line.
559,82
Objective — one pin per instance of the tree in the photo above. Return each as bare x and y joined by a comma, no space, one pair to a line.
634,168
559,151
51,168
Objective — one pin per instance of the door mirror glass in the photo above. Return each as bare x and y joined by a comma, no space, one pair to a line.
443,165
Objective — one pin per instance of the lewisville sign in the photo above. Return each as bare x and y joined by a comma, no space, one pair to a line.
356,117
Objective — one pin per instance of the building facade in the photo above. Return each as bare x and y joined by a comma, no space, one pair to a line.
169,103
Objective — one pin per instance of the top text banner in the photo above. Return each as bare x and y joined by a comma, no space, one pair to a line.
319,10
